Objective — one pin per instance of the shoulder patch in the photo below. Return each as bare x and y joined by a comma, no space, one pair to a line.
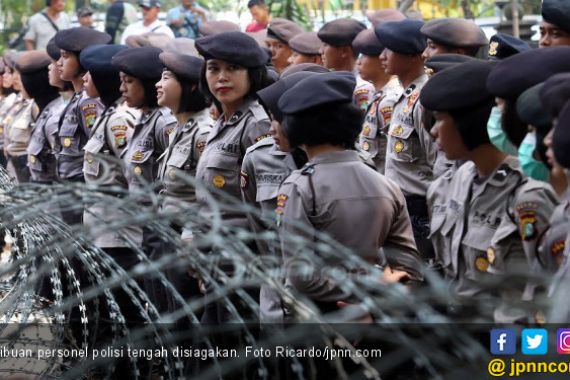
201,145
281,202
244,180
527,220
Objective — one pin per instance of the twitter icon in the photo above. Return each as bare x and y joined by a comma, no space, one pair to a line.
534,341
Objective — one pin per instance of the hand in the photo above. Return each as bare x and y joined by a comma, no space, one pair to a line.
392,276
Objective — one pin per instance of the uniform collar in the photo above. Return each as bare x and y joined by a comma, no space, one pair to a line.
339,156
415,85
147,116
502,173
240,113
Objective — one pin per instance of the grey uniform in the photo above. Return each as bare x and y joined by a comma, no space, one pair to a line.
474,236
411,149
148,143
74,131
363,93
558,291
187,143
41,150
7,104
335,193
263,170
102,167
377,122
220,164
20,130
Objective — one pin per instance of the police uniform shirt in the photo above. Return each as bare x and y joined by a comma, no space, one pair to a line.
102,167
373,138
551,252
473,234
19,104
74,131
333,194
41,149
148,143
187,142
363,93
19,130
5,107
220,163
411,150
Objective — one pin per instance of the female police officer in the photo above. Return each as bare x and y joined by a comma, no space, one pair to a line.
334,193
234,71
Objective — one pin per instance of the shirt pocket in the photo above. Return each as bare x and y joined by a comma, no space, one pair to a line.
20,131
67,135
404,143
475,244
223,173
91,164
266,196
505,249
34,151
441,237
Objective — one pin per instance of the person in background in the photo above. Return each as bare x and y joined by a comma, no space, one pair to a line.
305,48
555,24
7,99
185,19
279,33
453,36
85,17
150,22
260,14
119,15
45,24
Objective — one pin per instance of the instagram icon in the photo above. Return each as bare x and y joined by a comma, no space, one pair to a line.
563,341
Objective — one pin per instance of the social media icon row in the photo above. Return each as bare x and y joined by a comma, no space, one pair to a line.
533,341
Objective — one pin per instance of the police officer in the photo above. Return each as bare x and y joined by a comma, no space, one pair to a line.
9,99
140,70
337,54
331,192
81,111
279,32
411,151
234,71
453,36
503,45
178,91
373,138
33,68
305,48
487,217
554,27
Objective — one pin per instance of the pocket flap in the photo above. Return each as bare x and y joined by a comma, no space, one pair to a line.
401,131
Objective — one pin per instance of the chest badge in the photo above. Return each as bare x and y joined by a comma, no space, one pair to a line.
366,146
138,155
67,142
172,174
482,264
219,181
398,131
138,170
399,146
32,159
366,131
491,255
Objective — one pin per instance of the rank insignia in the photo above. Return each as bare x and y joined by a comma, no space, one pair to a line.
399,146
366,131
281,201
429,71
138,155
201,146
258,139
244,180
67,142
556,249
491,255
219,181
482,264
366,146
138,170
169,131
493,48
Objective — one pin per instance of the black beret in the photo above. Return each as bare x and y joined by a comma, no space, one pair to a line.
52,50
182,45
462,86
283,30
441,62
98,58
317,90
183,65
531,111
367,43
561,137
384,15
307,43
31,61
270,95
340,32
312,67
503,45
455,32
77,39
557,12
209,28
142,63
511,76
555,93
233,47
402,37
11,58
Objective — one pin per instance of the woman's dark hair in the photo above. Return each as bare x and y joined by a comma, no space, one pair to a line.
38,88
514,127
334,123
191,99
471,123
149,86
108,86
258,80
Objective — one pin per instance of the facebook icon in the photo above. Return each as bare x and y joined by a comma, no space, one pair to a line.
503,342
